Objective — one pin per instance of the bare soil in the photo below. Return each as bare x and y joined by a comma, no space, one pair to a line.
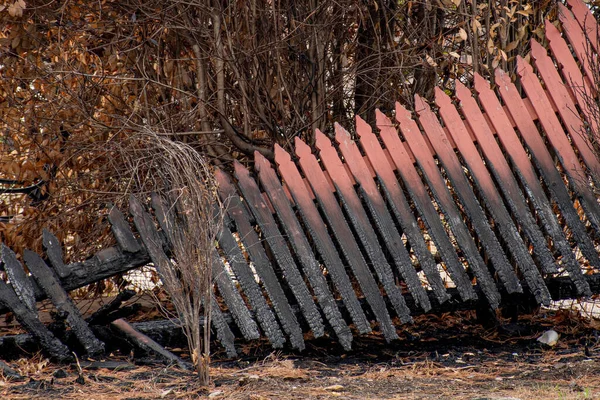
439,357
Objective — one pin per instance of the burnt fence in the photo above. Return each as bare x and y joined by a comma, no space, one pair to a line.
479,201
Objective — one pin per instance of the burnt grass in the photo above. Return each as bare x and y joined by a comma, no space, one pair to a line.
449,356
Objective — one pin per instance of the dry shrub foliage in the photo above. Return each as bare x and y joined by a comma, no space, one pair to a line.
225,77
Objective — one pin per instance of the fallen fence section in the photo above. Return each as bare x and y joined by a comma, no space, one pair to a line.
482,201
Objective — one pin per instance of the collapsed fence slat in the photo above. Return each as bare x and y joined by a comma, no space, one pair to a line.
280,249
121,231
240,215
342,233
552,177
54,253
251,289
318,232
526,173
383,220
362,226
442,195
30,321
498,165
153,243
302,249
423,203
51,285
491,197
20,282
573,122
400,207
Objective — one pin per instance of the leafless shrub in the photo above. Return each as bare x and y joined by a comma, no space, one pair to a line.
194,216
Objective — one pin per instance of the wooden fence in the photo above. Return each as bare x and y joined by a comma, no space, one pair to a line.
488,200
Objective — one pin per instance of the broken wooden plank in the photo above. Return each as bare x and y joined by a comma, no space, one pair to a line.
146,344
121,231
416,141
359,219
20,282
224,334
384,223
302,249
99,316
151,239
30,321
423,203
280,249
482,178
344,237
240,215
318,232
54,252
45,277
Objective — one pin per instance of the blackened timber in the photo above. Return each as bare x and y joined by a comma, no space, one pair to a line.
240,215
463,190
145,226
492,198
318,232
20,282
244,275
224,333
552,177
385,224
54,253
50,283
359,219
95,269
302,248
343,234
121,231
99,316
441,193
280,249
147,344
423,203
30,321
232,298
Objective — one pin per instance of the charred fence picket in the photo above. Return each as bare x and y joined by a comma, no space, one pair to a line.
488,201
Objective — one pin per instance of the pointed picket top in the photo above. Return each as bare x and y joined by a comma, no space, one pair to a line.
577,39
20,282
281,154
